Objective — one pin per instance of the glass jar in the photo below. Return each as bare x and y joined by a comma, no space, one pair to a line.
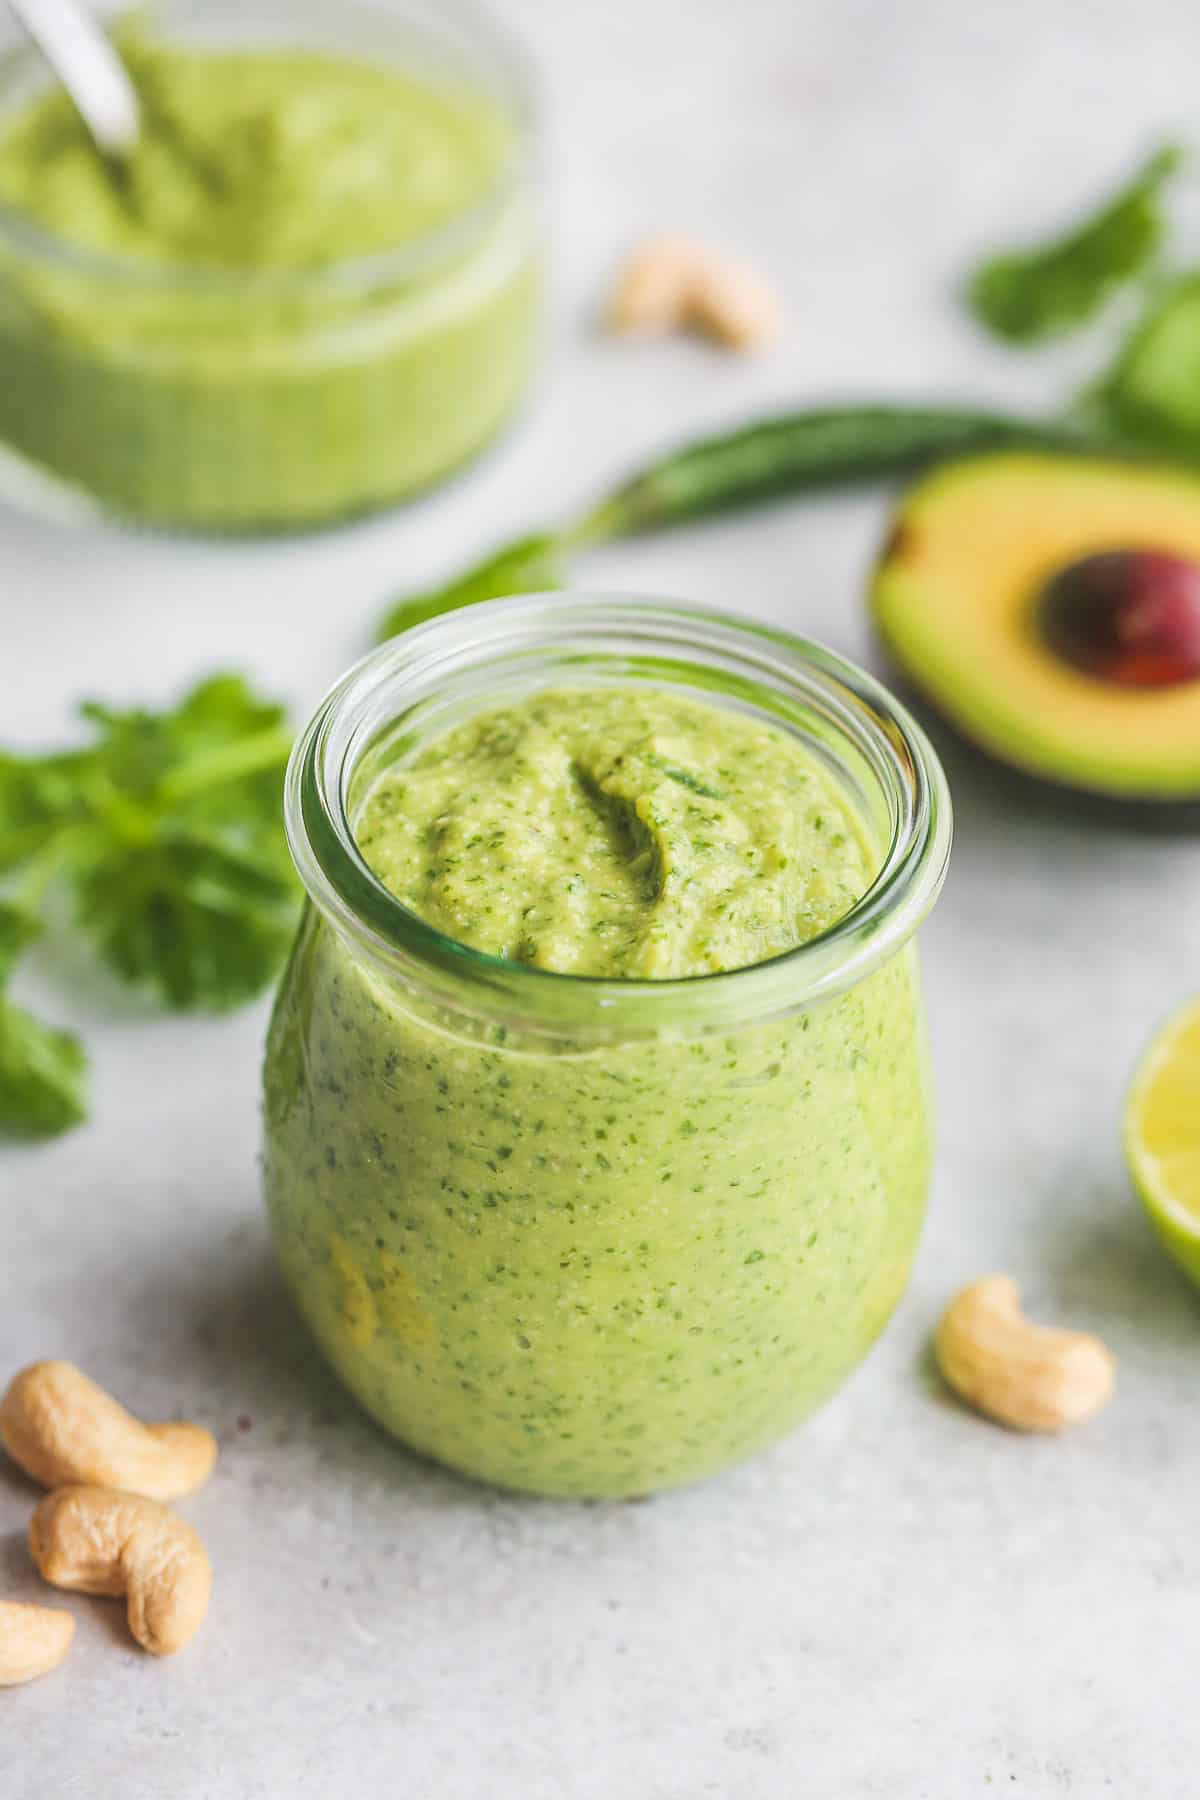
594,1237
207,398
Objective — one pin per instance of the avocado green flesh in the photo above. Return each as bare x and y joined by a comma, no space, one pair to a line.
955,598
600,1269
201,349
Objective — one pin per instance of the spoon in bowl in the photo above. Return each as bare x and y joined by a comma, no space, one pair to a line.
92,72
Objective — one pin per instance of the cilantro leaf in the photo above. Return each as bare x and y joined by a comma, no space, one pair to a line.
1046,291
18,929
531,565
190,891
42,1071
43,1075
40,796
162,841
140,749
202,922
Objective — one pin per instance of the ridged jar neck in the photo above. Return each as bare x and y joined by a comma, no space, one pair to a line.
420,685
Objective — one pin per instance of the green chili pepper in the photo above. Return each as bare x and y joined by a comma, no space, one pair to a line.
792,454
808,450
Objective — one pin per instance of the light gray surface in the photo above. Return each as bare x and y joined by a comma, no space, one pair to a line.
901,1601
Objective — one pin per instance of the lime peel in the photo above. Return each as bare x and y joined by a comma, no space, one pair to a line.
1162,1135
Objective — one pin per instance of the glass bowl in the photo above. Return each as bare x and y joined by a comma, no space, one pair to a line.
239,399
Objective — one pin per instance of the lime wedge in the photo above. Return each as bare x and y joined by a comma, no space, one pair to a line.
1162,1135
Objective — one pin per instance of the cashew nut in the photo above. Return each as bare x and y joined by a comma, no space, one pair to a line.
1032,1377
732,305
62,1428
654,289
674,285
94,1540
33,1640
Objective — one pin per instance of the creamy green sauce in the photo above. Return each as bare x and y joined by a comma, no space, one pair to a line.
237,368
258,160
610,1269
618,832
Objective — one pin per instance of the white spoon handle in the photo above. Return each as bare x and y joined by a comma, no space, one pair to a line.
80,54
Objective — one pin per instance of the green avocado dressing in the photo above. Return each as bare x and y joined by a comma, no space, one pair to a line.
618,832
227,332
258,160
609,1268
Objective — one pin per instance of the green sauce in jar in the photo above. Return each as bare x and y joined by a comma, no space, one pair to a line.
585,1269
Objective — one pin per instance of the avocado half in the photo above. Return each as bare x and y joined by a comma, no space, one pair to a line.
958,597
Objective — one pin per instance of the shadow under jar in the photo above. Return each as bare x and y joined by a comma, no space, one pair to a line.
317,291
588,1236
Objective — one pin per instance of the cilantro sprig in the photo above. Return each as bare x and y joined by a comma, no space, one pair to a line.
162,843
42,1071
1046,291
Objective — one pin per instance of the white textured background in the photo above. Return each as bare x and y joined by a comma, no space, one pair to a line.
901,1601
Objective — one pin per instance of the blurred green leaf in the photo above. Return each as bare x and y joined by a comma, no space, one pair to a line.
532,565
163,841
43,1076
1152,393
1027,295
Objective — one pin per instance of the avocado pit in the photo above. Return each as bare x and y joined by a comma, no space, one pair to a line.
1127,617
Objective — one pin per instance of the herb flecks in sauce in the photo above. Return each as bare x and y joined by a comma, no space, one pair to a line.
618,832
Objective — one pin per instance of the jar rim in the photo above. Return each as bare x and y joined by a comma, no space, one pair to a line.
440,246
371,698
